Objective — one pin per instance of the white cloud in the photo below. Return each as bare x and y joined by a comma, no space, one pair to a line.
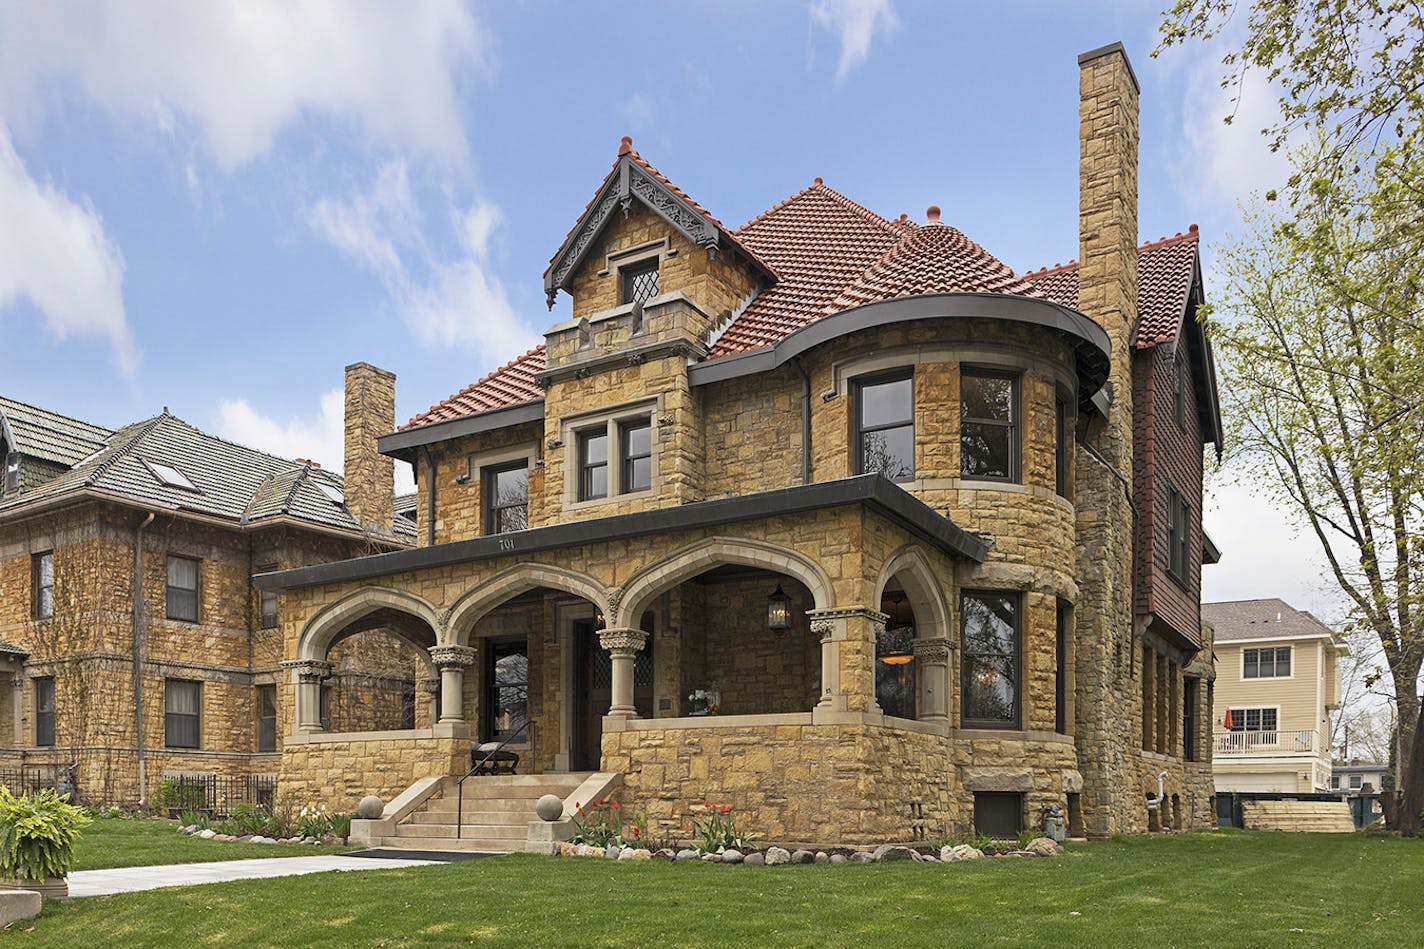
55,253
241,71
856,23
455,301
320,438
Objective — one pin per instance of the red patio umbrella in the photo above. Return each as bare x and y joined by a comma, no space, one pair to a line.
1226,722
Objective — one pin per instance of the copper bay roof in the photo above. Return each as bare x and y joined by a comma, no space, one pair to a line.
829,254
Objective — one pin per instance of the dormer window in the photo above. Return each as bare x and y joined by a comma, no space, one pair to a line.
170,476
640,281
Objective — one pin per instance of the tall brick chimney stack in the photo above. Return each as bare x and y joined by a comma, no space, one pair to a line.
370,475
1107,291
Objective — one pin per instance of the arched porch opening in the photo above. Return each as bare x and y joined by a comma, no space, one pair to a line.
912,651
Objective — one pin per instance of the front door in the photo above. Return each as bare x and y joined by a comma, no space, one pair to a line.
593,692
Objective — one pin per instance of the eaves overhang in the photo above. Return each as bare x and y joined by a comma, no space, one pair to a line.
403,444
872,490
1091,344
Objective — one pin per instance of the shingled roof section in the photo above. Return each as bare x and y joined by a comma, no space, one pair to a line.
40,433
230,481
1165,269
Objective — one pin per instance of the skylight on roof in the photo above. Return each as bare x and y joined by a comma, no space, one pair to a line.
170,476
332,492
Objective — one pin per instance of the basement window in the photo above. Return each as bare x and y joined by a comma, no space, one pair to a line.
170,476
998,814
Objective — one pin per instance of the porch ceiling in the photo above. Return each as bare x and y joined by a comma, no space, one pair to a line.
872,490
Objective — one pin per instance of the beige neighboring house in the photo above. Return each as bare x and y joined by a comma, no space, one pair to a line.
1358,777
1277,681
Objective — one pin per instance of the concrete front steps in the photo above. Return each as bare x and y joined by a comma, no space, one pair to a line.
1319,817
497,810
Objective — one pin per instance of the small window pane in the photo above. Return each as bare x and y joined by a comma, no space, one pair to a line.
44,711
266,718
637,446
887,403
988,397
507,687
183,589
1283,661
986,451
593,464
1251,664
890,451
43,568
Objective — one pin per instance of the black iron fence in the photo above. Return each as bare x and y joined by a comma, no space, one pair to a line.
215,794
28,778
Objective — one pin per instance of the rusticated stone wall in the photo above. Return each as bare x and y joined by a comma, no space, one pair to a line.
338,772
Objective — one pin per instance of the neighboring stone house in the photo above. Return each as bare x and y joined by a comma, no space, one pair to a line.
829,517
182,678
1277,682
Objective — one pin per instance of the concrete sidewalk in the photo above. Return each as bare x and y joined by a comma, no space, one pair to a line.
132,879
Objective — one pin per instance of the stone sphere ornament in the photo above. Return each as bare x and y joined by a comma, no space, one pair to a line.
370,808
550,807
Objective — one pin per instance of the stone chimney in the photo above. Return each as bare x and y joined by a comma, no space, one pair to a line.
1108,728
370,475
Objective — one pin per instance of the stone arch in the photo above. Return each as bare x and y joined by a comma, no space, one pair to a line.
917,577
716,552
474,604
398,612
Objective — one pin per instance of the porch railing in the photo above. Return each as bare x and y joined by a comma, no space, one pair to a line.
1266,743
525,726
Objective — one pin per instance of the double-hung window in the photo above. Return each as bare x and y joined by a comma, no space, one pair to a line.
183,713
1178,534
183,589
42,576
266,718
989,638
44,711
1357,782
267,602
615,457
1253,719
1063,445
1272,662
885,425
989,425
507,497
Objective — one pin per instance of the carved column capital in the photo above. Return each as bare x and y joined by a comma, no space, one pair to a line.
625,642
932,650
444,656
309,670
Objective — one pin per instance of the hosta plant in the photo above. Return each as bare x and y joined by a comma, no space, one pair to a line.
37,834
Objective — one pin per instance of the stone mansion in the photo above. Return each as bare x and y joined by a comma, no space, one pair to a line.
830,516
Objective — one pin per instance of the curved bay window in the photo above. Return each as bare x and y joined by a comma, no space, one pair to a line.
895,657
506,688
989,642
885,425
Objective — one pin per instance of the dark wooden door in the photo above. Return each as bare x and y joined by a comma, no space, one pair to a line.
593,692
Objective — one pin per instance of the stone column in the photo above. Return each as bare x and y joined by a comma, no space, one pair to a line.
307,676
451,661
623,646
431,687
932,661
847,657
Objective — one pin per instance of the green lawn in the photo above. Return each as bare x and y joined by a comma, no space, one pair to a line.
1206,889
142,843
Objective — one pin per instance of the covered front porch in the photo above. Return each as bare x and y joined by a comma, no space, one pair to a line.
777,651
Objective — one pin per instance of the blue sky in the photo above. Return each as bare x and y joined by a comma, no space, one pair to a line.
216,206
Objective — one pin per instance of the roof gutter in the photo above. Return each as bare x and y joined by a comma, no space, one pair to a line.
403,444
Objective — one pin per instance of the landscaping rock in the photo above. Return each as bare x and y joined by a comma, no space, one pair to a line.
308,839
966,852
686,855
776,856
732,856
226,838
1044,846
803,856
613,852
888,853
860,856
208,834
331,840
755,859
665,854
628,853
245,839
822,857
16,905
837,858
712,857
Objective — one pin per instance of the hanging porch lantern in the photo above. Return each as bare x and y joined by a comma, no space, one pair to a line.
778,611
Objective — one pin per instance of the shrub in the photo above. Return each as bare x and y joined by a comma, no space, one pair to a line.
1025,836
37,834
716,829
341,825
178,796
193,819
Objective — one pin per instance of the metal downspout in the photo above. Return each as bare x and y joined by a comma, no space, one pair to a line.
138,657
805,421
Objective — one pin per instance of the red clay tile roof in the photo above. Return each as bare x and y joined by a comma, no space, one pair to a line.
820,242
510,384
935,258
1165,268
830,253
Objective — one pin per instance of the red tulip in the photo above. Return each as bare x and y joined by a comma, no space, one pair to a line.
615,803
